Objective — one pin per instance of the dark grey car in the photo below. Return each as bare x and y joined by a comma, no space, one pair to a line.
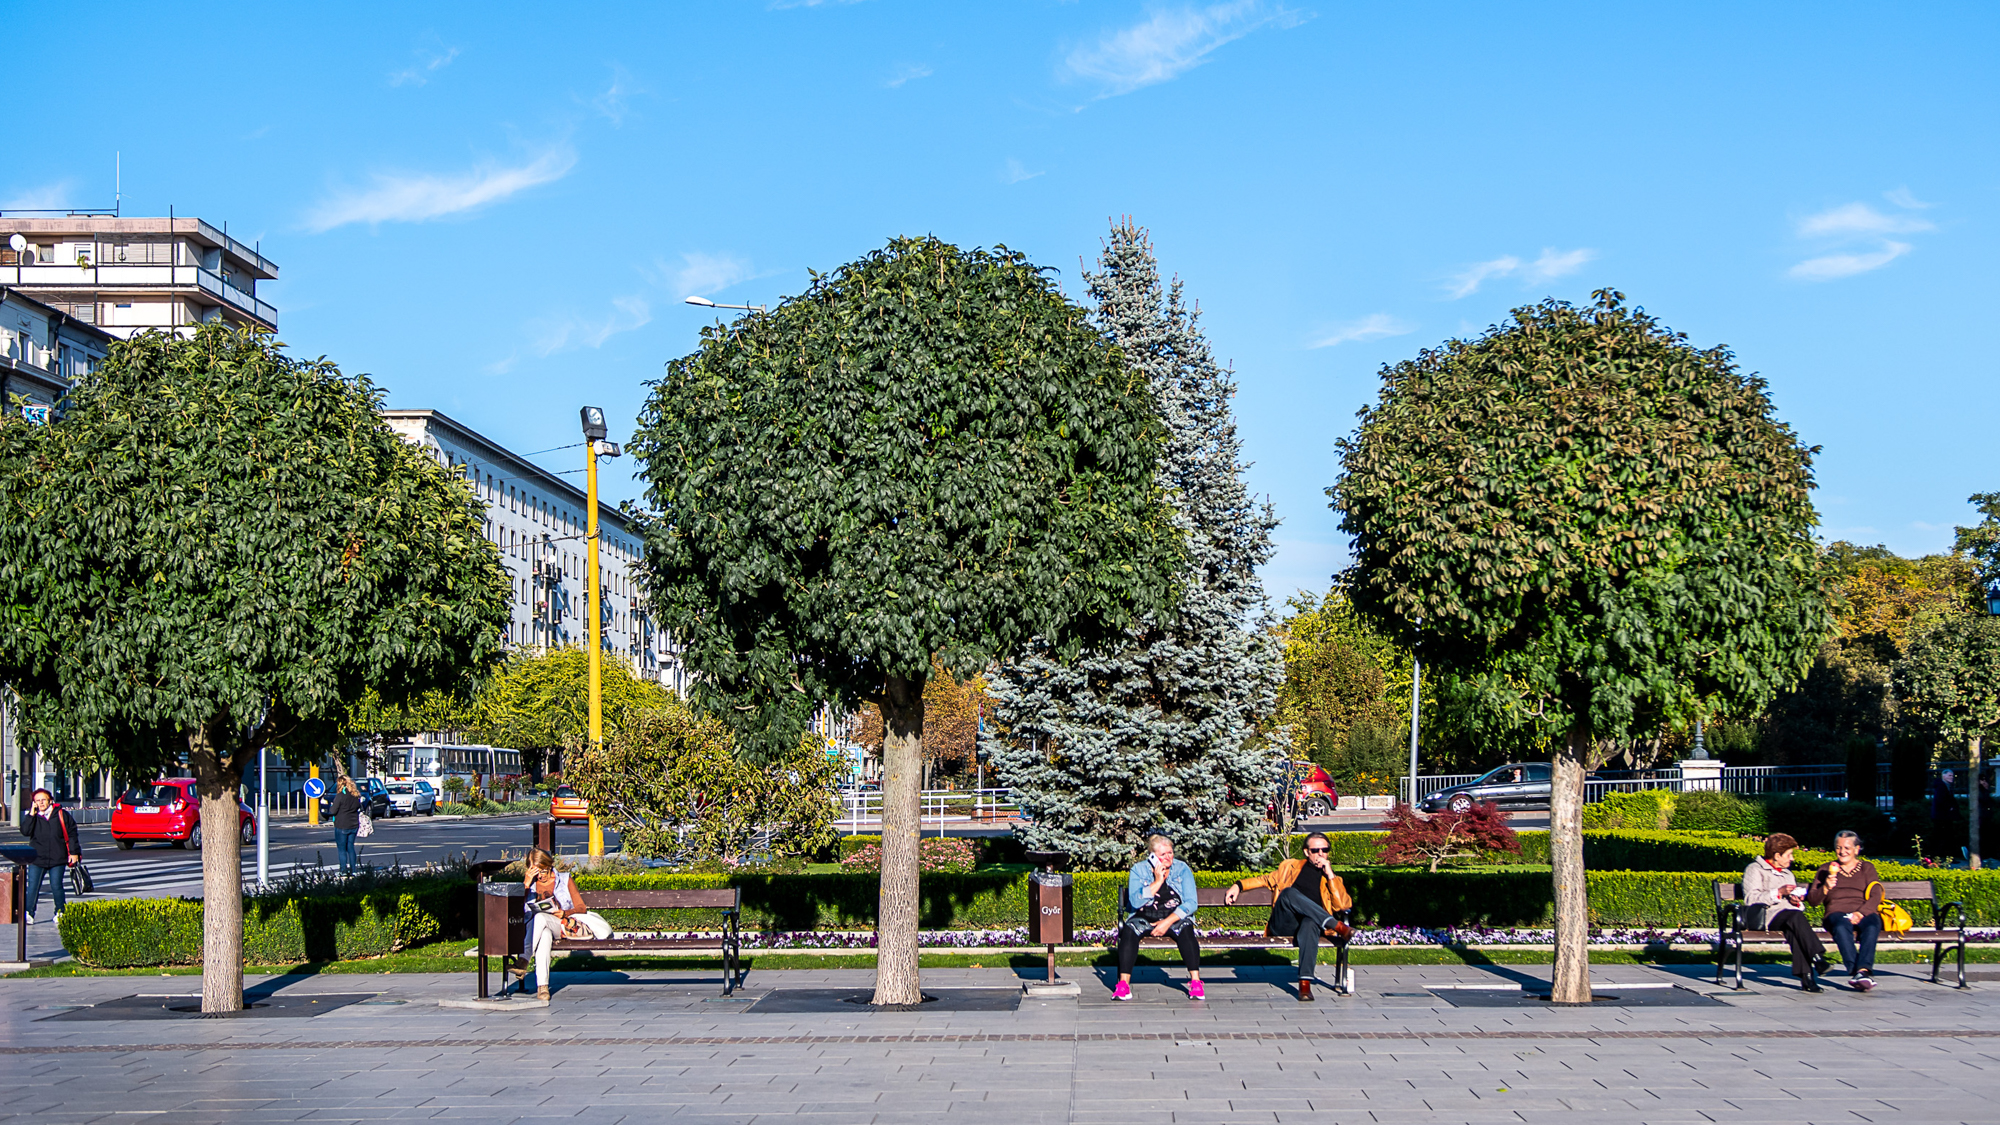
1516,785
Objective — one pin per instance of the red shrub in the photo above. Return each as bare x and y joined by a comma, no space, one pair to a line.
1446,837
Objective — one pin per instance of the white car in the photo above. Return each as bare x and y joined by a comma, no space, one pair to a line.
408,798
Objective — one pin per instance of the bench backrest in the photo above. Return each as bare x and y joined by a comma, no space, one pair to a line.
1905,891
707,898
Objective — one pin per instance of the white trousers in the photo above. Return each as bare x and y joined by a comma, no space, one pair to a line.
547,927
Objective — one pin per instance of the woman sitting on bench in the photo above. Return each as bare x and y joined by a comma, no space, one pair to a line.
555,909
1162,896
1310,895
1769,883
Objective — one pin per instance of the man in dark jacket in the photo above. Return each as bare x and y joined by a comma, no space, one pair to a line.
57,845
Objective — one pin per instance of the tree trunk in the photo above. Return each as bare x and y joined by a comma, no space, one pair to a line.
216,778
1972,829
1572,969
896,980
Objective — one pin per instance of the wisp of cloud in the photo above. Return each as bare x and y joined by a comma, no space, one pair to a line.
1375,326
413,199
1170,43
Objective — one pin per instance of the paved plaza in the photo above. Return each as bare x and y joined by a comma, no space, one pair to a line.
1415,1045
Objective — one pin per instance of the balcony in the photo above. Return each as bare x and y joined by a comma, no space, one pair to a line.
131,277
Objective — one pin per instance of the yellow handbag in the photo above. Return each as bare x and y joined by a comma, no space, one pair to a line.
1895,918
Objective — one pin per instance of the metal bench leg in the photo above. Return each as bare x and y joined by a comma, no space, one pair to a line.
1740,943
482,974
1937,959
1961,964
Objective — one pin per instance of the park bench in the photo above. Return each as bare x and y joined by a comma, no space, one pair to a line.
1731,936
503,925
1211,897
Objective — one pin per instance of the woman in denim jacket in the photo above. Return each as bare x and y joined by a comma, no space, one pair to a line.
1162,896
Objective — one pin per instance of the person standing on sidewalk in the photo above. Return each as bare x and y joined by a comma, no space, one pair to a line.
1851,891
346,809
53,832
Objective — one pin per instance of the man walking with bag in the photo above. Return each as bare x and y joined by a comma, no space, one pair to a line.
53,832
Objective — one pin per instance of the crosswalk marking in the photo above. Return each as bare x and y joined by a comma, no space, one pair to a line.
114,876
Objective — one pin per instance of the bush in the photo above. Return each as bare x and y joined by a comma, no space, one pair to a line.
1716,810
1640,849
278,929
1812,821
1363,849
1644,808
989,849
1447,837
933,855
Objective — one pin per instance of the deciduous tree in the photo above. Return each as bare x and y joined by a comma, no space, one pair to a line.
539,702
1590,516
220,547
1950,683
930,453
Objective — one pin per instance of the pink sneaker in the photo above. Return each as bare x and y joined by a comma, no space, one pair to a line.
1194,989
1122,992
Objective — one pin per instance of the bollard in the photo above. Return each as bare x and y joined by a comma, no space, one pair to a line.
545,835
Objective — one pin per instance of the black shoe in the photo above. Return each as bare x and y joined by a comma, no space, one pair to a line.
1818,964
1810,986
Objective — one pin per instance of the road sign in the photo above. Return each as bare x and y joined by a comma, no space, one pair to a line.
315,787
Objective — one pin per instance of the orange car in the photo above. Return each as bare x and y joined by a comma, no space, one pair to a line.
568,805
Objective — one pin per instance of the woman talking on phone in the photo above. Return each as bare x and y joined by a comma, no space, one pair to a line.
1162,896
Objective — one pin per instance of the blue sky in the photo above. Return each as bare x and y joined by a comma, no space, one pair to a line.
497,209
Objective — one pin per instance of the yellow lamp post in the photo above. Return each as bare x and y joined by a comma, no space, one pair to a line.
594,431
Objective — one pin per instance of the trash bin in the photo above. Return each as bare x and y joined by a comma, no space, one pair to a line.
545,836
1051,900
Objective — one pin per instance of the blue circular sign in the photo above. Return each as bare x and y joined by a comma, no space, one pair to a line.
315,787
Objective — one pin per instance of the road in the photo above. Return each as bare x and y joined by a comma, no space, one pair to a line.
163,869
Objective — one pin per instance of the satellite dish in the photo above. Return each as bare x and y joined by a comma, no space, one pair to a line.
16,243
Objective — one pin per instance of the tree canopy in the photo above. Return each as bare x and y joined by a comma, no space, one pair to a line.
1594,521
539,702
928,454
218,548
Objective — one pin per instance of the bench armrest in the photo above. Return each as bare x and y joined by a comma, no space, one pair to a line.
1944,912
1729,917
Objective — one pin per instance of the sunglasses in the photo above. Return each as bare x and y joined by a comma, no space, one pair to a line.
1316,851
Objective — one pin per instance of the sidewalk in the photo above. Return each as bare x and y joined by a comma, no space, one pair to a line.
642,1047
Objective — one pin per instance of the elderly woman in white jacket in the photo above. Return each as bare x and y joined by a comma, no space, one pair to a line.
1768,883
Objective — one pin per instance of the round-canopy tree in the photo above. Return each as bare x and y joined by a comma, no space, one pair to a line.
220,548
1949,681
929,454
1588,517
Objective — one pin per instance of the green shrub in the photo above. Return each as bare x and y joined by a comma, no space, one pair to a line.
991,849
1716,810
1638,849
277,929
1644,808
1812,821
1362,849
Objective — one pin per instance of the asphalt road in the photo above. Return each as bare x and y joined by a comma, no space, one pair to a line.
163,869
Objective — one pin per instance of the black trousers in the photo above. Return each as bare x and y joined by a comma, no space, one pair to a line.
1183,935
1804,941
1305,920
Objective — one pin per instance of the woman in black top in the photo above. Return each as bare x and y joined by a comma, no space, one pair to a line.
346,822
53,831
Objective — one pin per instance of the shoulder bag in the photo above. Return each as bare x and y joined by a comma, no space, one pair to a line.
80,882
1895,916
364,825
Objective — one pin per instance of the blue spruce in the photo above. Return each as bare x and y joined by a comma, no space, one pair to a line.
1169,730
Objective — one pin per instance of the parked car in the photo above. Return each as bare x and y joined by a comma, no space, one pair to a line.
1315,795
1516,785
374,794
567,805
168,810
409,798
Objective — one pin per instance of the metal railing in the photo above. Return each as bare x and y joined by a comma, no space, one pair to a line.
1827,781
938,808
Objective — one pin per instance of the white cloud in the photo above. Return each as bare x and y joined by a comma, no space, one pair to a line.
1015,172
1375,326
1832,266
703,274
1169,43
908,73
1552,264
1468,282
45,197
1858,218
1901,197
627,314
1557,263
611,104
415,198
421,73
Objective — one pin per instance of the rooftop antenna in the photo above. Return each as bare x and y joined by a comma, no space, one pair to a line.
118,180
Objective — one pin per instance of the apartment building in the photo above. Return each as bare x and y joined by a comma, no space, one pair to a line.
42,351
536,517
127,275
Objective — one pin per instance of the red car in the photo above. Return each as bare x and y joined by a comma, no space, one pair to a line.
169,810
1316,795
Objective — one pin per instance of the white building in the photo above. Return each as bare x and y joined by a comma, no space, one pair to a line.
128,275
42,351
536,516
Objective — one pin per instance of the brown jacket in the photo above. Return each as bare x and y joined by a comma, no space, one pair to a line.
1851,894
1332,892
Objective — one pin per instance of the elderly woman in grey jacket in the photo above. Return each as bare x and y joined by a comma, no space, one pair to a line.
1769,883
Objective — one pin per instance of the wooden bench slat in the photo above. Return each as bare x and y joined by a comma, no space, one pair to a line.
727,898
715,944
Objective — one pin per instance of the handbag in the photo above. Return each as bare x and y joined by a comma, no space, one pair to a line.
587,926
80,882
1895,916
364,825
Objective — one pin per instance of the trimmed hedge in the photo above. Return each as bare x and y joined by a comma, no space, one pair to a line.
1639,849
277,930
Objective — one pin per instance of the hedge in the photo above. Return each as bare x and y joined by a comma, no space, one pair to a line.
277,930
1642,849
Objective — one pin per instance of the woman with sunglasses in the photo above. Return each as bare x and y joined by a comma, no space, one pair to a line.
1309,905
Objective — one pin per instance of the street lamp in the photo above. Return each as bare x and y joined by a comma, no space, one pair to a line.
594,431
704,302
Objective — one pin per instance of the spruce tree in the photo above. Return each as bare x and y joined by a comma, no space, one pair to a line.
1164,727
